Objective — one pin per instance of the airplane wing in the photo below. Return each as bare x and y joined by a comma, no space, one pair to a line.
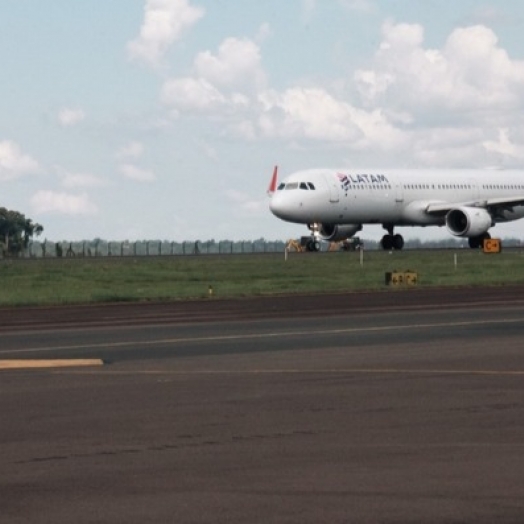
494,205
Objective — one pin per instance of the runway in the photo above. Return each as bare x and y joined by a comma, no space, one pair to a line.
406,413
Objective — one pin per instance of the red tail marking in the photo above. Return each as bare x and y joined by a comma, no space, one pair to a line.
273,184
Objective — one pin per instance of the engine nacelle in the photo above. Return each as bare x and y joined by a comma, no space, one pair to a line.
337,232
468,221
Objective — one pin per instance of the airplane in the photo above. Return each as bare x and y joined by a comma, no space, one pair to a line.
336,204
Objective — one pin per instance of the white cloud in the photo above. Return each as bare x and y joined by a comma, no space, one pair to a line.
471,73
72,180
131,150
165,21
483,71
70,117
137,173
413,99
290,115
191,94
243,129
447,101
223,82
232,84
62,203
237,65
504,146
243,202
14,163
401,35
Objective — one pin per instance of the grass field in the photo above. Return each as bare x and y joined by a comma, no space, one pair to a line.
68,281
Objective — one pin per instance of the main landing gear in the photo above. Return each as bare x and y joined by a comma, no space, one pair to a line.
391,241
478,242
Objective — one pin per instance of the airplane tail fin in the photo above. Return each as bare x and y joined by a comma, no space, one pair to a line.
273,184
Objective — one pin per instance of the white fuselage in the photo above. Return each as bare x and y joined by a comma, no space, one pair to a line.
396,197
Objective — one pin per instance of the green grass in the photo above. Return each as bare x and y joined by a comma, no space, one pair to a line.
69,281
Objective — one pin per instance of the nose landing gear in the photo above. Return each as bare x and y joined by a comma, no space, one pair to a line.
312,243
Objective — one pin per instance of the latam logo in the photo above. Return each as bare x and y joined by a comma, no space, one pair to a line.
347,180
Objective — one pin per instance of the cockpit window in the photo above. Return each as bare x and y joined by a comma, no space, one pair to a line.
296,185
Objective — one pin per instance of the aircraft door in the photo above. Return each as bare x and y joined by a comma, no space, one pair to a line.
332,183
399,193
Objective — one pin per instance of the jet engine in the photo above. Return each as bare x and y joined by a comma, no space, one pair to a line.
468,221
337,232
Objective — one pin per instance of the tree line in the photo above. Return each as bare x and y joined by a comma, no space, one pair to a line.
16,230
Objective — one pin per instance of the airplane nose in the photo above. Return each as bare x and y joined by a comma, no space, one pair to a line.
276,205
282,208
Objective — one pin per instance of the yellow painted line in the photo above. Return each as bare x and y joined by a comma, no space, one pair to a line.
40,364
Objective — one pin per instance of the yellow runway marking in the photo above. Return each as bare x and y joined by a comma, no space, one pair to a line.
39,364
269,335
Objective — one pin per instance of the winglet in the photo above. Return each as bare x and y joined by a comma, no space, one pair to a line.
273,184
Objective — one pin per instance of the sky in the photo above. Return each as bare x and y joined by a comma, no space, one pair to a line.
163,119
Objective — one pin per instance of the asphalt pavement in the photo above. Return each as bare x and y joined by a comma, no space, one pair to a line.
404,412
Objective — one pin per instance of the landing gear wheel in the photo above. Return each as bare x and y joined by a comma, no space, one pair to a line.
478,242
387,242
474,242
313,245
390,242
398,242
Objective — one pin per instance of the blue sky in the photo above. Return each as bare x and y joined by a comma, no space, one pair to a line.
162,119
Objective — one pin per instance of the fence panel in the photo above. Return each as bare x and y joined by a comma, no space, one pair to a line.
102,248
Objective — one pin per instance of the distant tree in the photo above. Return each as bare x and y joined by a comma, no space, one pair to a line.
15,231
